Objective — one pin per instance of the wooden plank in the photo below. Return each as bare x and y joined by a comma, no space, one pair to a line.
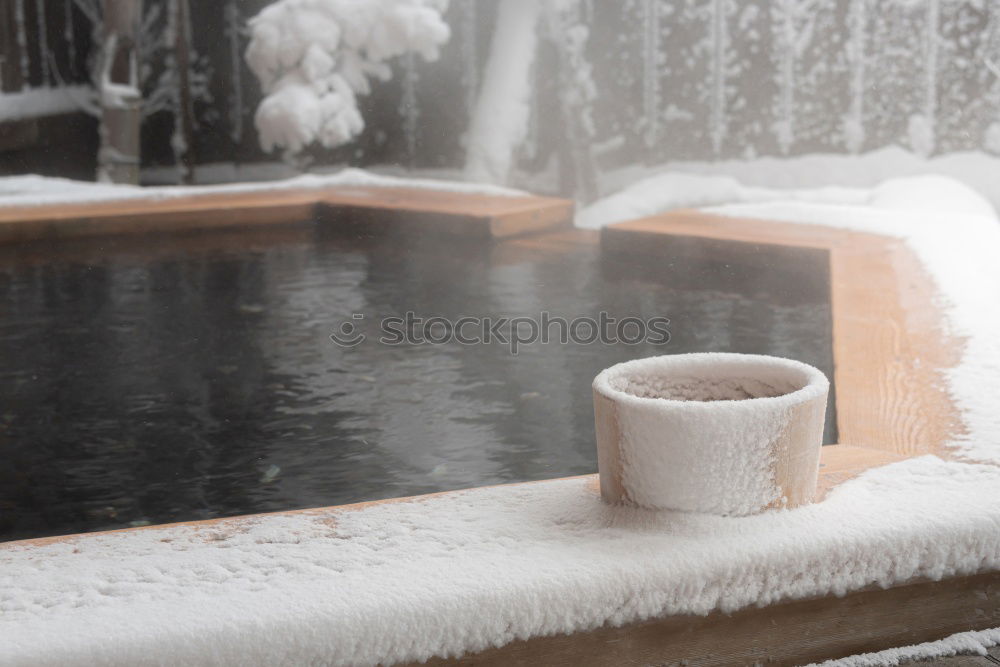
839,463
136,247
791,633
891,353
20,224
705,225
483,216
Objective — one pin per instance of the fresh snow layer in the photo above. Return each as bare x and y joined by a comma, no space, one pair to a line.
675,190
34,190
962,643
960,254
699,432
465,571
35,102
814,172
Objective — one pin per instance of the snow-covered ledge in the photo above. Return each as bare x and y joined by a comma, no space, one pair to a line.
465,571
461,572
33,207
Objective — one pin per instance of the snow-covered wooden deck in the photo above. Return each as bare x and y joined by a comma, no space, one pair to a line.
468,214
890,350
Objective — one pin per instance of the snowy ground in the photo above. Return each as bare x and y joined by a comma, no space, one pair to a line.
808,172
34,102
889,179
33,190
962,643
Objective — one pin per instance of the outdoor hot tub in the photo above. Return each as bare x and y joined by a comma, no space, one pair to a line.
188,375
200,375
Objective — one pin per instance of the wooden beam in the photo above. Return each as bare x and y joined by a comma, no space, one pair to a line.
426,210
791,633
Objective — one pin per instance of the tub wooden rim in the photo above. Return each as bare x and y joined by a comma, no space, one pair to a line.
891,351
469,214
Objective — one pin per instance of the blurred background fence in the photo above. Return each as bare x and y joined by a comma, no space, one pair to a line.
675,80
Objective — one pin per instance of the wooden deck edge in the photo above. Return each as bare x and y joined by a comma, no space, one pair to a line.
167,220
787,633
838,463
465,214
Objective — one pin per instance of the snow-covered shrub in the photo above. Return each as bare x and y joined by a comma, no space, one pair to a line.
314,57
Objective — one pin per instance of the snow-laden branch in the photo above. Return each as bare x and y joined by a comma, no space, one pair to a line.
314,57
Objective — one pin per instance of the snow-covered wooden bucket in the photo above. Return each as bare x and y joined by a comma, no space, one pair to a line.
710,432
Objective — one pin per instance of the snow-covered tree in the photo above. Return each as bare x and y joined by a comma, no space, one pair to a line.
500,120
22,39
577,93
116,100
234,30
469,30
922,125
794,21
520,92
714,49
314,57
137,72
991,63
174,75
409,107
651,63
857,56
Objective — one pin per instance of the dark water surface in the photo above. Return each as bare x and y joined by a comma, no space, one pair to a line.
169,378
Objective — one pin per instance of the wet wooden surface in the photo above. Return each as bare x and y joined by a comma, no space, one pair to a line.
486,216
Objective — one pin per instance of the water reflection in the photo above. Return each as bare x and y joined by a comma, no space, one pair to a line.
165,379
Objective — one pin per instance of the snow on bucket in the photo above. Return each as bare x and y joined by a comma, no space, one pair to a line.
710,432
